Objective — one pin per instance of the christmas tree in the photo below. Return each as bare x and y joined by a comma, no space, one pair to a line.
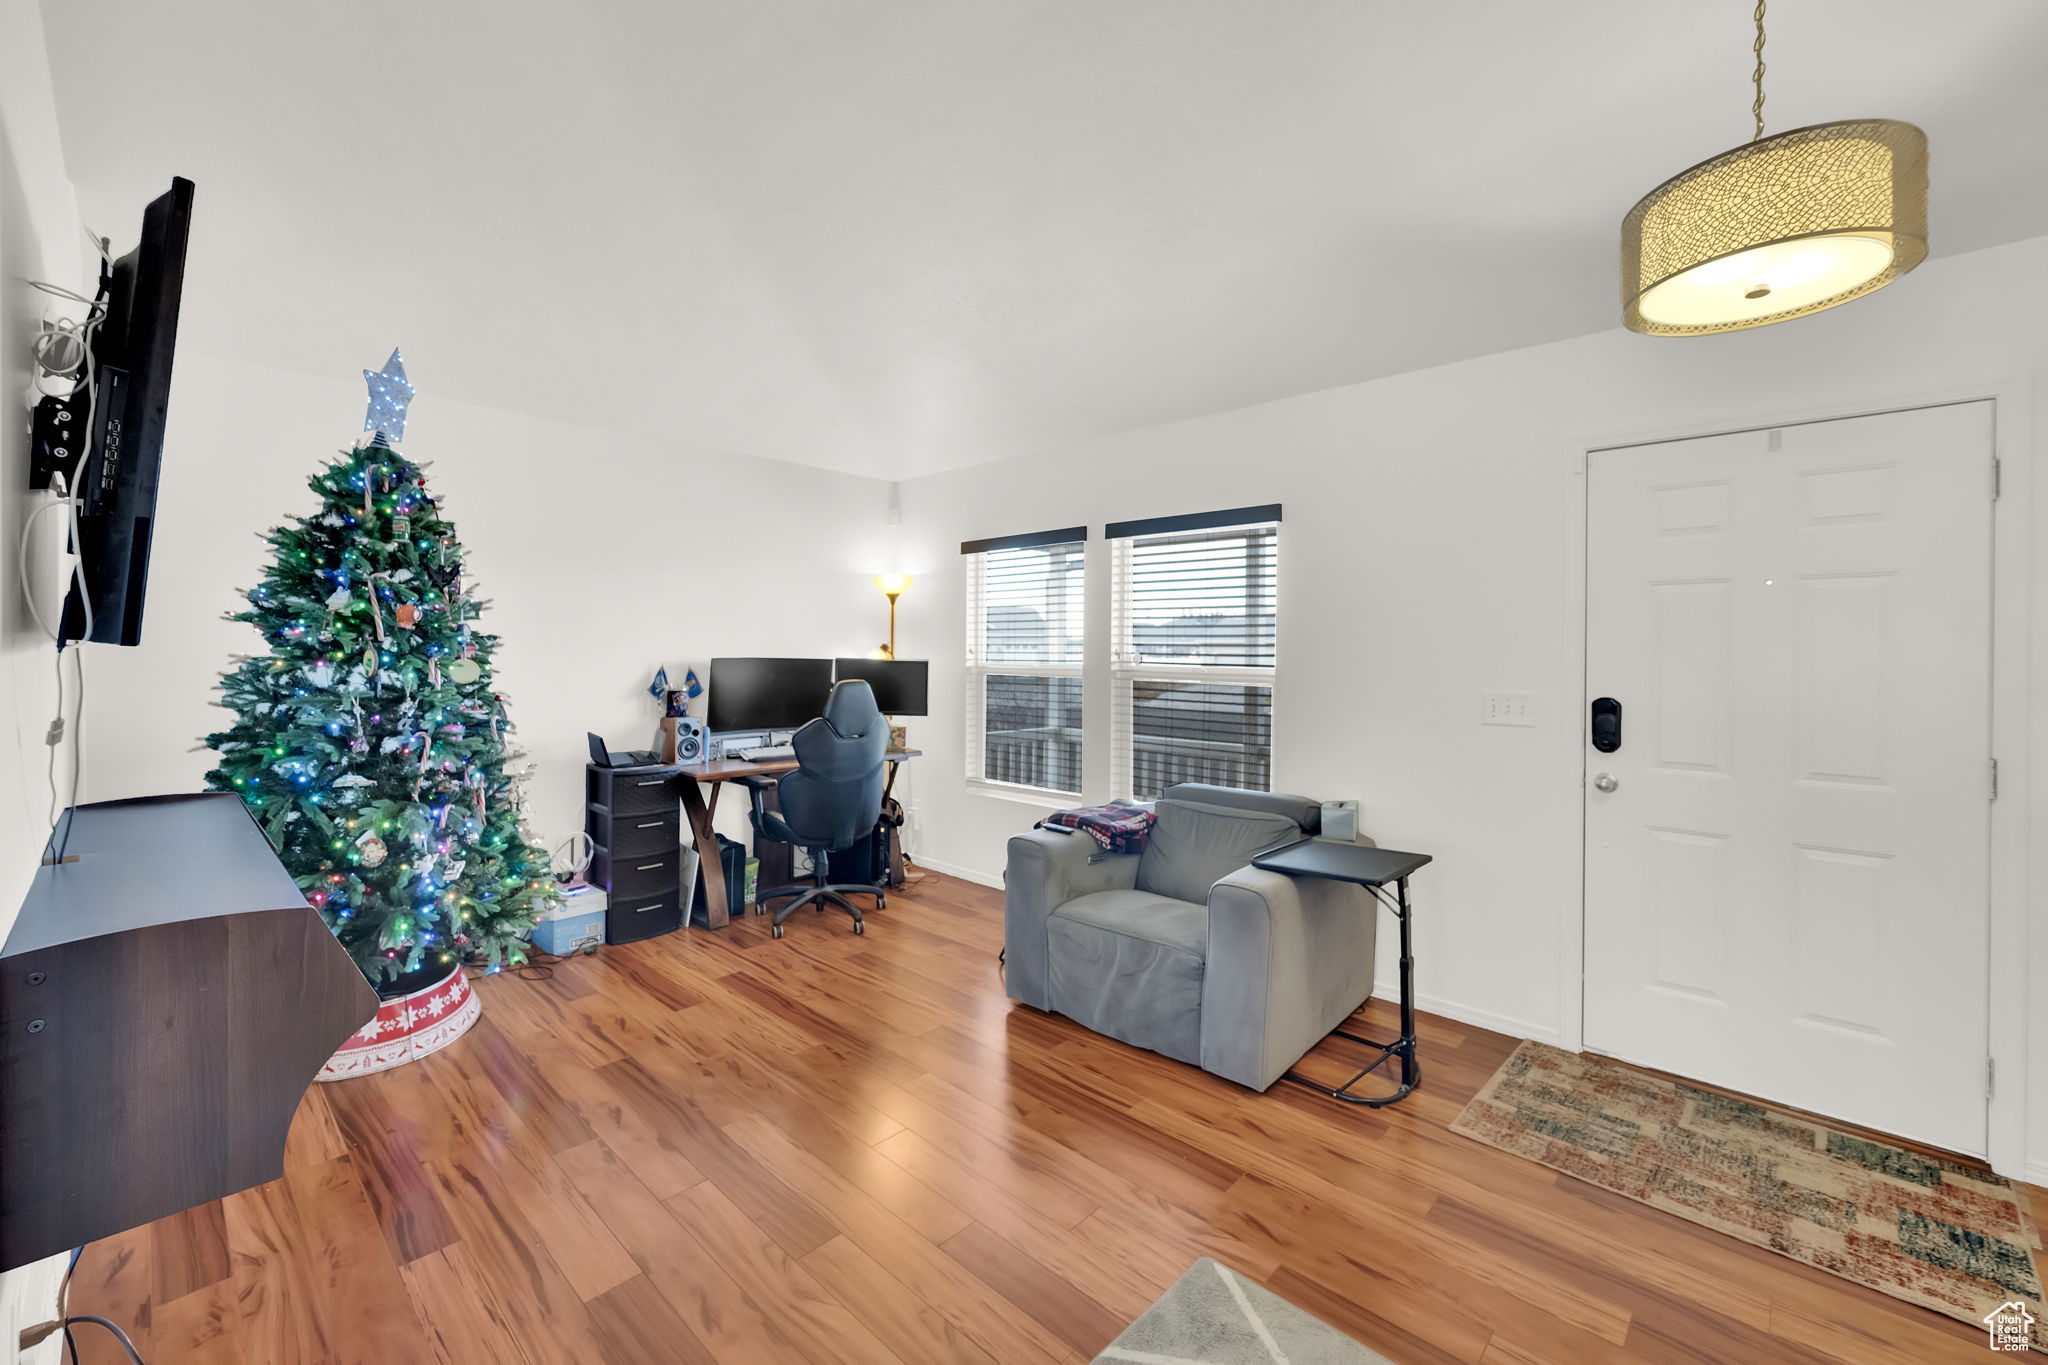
370,742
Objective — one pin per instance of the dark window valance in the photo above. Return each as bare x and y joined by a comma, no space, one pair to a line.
1029,541
1193,521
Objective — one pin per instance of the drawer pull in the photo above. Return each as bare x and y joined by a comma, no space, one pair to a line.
651,824
649,867
651,782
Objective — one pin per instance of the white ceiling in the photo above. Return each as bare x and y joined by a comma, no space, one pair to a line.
894,236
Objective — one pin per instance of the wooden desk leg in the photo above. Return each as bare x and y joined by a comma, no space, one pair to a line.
716,916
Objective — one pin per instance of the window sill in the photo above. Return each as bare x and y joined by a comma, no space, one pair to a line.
1024,796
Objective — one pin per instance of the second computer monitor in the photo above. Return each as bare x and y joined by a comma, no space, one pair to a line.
901,685
767,694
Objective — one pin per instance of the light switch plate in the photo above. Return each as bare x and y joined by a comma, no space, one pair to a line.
1507,708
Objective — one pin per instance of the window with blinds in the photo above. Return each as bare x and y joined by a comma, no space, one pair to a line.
1195,626
1024,657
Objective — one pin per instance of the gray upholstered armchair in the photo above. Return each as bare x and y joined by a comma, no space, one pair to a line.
1186,949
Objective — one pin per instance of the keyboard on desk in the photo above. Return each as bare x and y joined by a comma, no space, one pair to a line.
767,753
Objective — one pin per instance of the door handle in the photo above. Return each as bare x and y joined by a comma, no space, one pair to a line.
1605,782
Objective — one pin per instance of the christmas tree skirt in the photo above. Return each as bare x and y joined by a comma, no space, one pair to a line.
407,1028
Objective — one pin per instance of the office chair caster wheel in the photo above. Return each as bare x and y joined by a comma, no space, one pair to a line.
881,901
776,930
859,928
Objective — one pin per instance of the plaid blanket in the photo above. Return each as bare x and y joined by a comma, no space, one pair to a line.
1119,827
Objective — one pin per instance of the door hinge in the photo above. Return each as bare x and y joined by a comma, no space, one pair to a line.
1997,477
1990,1077
1994,779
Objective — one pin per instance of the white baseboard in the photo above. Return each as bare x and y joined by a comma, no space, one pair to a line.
2035,1173
1470,1014
965,874
28,1296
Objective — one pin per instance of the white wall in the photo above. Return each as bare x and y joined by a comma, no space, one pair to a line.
39,239
1423,559
600,555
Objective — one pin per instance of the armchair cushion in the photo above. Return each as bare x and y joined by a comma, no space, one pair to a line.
1195,845
1180,925
1300,809
1129,964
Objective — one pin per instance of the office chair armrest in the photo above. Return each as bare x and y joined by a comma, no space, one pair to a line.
758,786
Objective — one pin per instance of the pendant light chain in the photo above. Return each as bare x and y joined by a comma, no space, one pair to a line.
1757,76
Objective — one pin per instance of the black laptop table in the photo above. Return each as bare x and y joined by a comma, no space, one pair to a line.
1374,869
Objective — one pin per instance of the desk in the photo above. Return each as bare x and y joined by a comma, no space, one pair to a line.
715,773
1373,869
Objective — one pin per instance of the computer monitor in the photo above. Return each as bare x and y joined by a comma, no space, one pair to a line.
902,686
767,694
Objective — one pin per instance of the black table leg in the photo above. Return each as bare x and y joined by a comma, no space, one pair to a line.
1403,1046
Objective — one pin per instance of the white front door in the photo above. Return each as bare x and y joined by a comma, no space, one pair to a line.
1787,858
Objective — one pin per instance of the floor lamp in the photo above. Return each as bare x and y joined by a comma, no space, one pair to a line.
893,586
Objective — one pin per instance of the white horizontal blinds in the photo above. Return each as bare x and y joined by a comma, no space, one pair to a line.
1208,597
1025,633
1196,626
1031,604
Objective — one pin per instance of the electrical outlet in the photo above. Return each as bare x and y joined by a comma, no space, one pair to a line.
1507,708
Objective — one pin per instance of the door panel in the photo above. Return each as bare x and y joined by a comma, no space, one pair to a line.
1787,889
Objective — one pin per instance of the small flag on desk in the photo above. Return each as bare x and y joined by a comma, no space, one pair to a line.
658,689
691,687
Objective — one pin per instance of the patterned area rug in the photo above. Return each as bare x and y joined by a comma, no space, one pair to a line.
1214,1316
1929,1231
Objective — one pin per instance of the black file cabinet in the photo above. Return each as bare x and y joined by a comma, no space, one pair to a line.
634,819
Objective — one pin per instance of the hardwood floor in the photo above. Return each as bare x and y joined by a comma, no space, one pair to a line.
726,1147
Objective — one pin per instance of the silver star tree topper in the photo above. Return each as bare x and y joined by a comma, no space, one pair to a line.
390,395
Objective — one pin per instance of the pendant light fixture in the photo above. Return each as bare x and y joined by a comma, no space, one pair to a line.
1777,228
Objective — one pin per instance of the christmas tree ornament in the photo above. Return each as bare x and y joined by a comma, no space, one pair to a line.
407,614
390,395
371,849
464,671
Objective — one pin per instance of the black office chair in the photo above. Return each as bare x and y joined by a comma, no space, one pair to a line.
832,801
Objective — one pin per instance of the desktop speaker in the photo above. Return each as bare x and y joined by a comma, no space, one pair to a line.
689,739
